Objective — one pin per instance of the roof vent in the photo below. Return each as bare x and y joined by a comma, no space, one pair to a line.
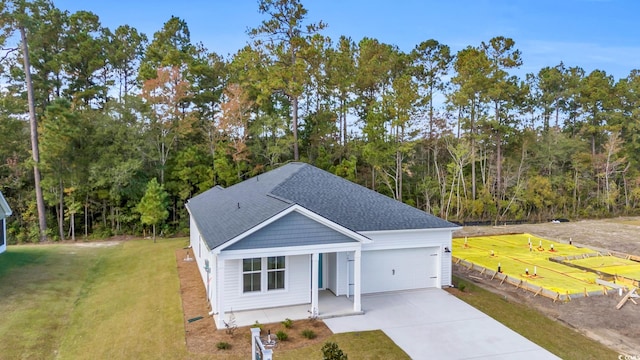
238,205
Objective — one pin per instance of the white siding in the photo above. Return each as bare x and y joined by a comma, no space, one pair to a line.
200,252
332,275
342,272
297,291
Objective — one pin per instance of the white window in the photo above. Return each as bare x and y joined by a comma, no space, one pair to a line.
263,273
251,274
275,272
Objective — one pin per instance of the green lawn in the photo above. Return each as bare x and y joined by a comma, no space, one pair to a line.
72,302
120,302
551,335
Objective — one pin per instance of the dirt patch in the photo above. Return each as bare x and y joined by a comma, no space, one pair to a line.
97,244
202,336
594,316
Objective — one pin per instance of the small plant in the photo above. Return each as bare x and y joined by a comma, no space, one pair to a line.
287,323
313,314
462,286
313,317
230,327
331,351
257,325
223,345
282,336
309,334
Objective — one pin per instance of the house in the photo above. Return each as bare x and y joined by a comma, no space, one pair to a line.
5,212
278,238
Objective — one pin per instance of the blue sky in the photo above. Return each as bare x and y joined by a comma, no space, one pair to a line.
592,34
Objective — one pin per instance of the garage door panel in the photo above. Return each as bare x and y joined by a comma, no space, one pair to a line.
399,269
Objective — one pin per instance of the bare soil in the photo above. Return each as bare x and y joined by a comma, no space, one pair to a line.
202,336
594,316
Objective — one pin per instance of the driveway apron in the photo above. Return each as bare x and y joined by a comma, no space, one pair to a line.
433,324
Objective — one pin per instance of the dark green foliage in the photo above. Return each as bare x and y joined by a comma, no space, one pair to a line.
223,345
287,323
456,135
309,334
282,336
153,205
331,351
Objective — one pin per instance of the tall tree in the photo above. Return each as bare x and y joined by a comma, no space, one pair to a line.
84,56
15,16
287,40
171,47
596,96
432,61
125,53
472,67
503,92
340,72
168,119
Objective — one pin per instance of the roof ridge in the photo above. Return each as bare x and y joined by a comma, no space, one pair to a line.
293,173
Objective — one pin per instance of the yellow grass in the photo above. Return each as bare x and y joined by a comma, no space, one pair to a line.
515,257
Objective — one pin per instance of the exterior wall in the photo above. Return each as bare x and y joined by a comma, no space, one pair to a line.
201,253
331,281
5,212
405,239
297,286
3,234
343,275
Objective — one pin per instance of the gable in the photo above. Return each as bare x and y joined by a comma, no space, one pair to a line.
293,229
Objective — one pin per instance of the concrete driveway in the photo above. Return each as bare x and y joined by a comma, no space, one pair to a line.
433,324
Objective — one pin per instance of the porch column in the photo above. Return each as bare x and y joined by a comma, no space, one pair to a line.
220,293
357,305
314,284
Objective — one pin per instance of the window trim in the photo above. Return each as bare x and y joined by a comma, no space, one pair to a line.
276,270
264,275
252,272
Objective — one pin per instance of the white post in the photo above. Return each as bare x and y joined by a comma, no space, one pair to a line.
357,306
267,354
314,284
220,294
255,333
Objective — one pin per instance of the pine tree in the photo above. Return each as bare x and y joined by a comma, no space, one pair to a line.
153,205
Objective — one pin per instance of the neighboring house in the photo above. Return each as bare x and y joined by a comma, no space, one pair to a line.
280,237
5,212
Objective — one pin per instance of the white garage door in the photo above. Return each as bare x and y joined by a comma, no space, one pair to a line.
399,269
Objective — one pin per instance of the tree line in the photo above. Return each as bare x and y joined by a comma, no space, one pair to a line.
91,115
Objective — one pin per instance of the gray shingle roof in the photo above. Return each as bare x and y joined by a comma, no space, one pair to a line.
222,214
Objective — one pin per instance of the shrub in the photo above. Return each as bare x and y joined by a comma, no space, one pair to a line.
282,336
309,334
331,351
287,323
222,345
257,325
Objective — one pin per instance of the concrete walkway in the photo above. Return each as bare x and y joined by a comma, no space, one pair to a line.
433,324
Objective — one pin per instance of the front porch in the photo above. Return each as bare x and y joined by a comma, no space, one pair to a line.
329,304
